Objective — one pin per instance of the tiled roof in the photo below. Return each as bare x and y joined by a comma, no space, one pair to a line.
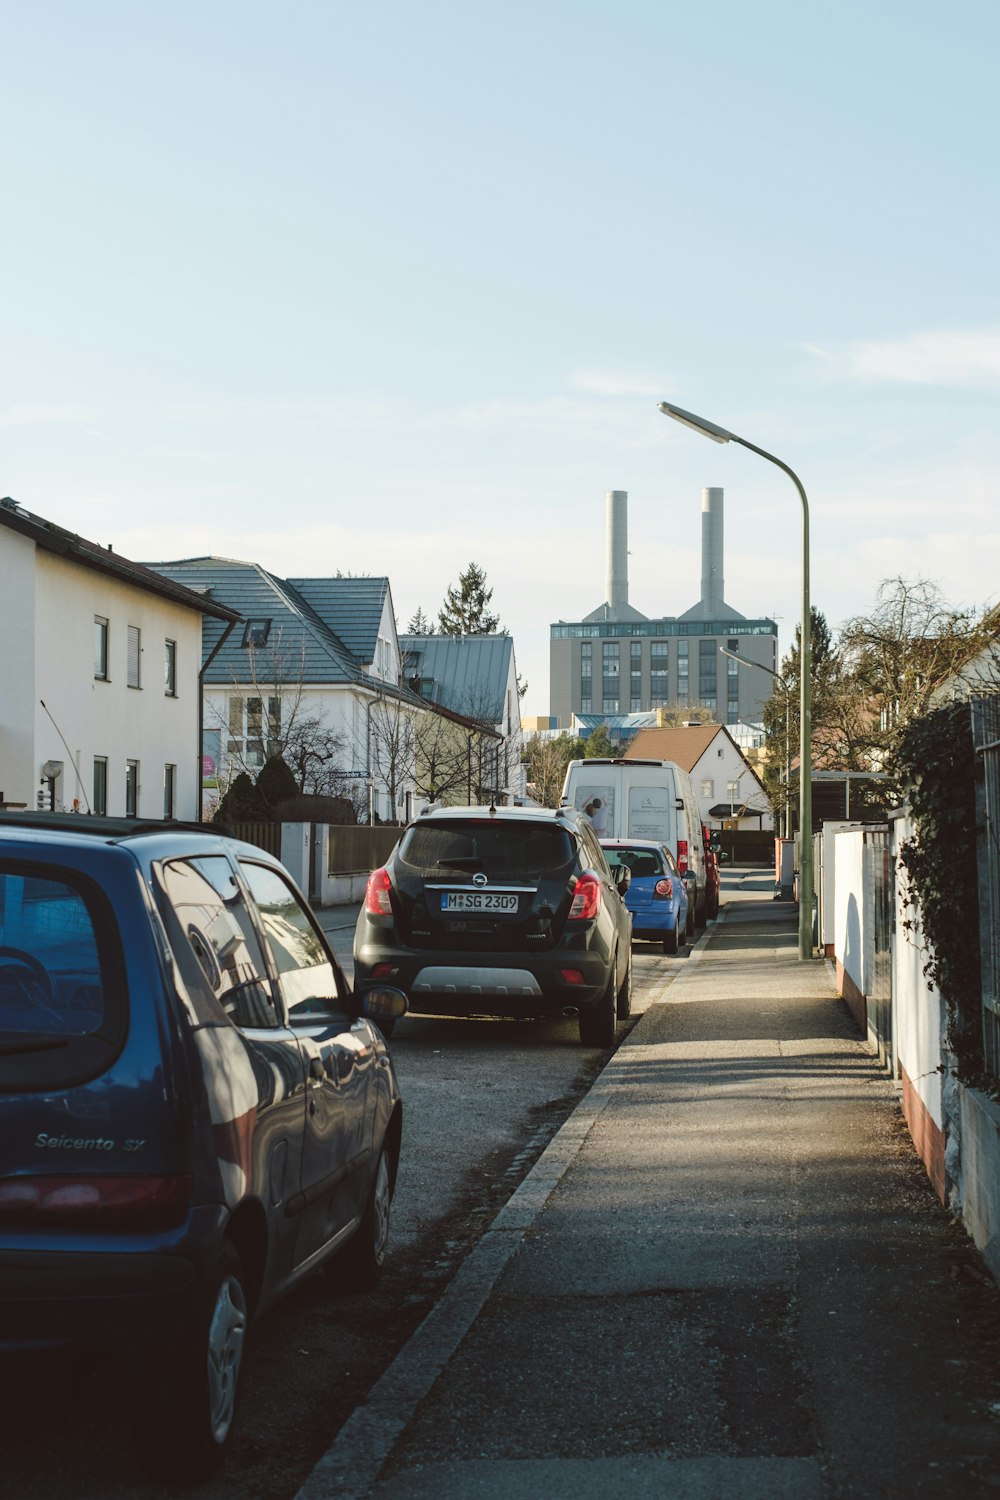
468,673
351,607
684,745
299,644
67,544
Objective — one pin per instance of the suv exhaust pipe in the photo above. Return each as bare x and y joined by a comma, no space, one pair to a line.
570,1010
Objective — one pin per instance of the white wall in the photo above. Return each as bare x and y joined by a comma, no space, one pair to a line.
722,763
47,609
108,718
851,939
18,770
918,1010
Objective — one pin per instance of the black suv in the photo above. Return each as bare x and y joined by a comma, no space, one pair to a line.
501,911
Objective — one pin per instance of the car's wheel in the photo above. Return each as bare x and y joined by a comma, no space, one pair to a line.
670,940
358,1266
689,931
623,1005
598,1022
185,1417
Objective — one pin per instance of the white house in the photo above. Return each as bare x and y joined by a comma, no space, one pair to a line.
728,789
315,669
100,700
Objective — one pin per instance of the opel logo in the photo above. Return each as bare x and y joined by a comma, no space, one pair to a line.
479,878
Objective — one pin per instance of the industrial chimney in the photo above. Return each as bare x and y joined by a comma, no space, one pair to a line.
616,550
712,585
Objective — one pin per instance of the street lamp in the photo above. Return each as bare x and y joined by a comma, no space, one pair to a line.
723,435
788,752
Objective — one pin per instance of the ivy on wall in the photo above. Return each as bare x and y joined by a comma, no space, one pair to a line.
936,762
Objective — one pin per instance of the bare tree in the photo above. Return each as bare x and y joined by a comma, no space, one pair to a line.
547,759
392,745
269,713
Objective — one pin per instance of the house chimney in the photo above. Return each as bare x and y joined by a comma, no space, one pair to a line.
616,533
712,585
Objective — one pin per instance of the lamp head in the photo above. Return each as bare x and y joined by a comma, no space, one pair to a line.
697,424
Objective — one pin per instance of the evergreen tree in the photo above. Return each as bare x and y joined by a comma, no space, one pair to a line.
419,624
276,783
600,746
464,611
242,804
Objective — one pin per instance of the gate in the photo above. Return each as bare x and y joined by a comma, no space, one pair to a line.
883,898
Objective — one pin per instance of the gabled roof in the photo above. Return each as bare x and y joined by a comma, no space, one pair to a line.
351,607
54,539
684,745
299,644
466,673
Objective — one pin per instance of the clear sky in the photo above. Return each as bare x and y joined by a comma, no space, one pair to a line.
387,288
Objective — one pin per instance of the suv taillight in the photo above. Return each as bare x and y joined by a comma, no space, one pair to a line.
682,855
586,898
377,902
129,1203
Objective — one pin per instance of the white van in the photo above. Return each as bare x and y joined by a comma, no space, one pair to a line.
642,799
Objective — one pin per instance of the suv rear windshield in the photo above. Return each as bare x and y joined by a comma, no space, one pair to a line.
61,1006
503,848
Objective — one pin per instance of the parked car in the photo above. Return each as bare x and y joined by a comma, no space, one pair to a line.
195,1112
644,799
657,895
501,911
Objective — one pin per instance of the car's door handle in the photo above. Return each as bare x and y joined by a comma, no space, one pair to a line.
317,1071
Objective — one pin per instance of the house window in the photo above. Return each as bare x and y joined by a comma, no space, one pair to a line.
682,671
100,648
707,788
170,668
100,784
131,789
256,632
169,791
134,656
250,741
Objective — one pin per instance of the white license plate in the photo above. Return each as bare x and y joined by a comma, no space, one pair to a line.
478,901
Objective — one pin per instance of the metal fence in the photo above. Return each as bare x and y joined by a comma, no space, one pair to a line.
986,737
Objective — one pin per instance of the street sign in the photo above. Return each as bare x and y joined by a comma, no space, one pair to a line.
355,775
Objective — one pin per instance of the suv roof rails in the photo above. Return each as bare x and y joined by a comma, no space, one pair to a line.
65,822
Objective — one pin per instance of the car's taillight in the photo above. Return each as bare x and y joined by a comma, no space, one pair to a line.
663,888
377,901
586,898
130,1203
682,855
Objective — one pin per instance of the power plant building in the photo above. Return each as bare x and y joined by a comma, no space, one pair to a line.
618,661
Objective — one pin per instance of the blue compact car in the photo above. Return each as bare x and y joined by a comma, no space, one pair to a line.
195,1112
657,895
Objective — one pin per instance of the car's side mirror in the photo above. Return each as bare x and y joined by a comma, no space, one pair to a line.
622,878
383,1003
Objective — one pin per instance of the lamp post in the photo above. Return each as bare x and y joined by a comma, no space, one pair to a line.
788,751
723,435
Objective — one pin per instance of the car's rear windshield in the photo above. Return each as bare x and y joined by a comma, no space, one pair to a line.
641,862
61,1012
506,848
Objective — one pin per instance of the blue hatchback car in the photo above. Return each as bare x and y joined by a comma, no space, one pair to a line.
194,1112
657,895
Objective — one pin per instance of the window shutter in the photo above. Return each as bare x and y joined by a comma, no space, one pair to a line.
133,656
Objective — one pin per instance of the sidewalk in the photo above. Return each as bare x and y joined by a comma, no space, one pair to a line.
727,1276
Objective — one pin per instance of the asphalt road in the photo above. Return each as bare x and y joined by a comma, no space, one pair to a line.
482,1099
